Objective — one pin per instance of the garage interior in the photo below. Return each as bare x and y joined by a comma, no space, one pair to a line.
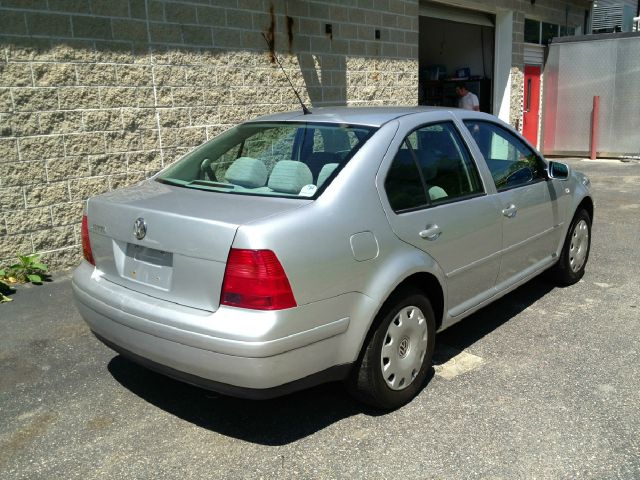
455,46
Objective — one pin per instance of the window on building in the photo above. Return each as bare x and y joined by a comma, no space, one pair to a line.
548,31
531,31
541,33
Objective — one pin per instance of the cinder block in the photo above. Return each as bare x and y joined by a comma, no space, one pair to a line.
53,238
59,169
88,187
110,8
213,16
49,24
6,105
62,258
150,140
8,150
11,198
138,118
197,35
123,141
127,179
13,245
48,194
144,161
60,122
132,30
165,33
77,51
15,75
92,27
69,6
84,143
54,74
35,99
180,13
170,76
107,164
12,23
201,116
102,120
41,147
134,75
74,98
24,221
114,52
174,117
96,74
188,97
112,97
67,213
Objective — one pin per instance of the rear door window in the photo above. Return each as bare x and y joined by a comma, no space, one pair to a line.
432,166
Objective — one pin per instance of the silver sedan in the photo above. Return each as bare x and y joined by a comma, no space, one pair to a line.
297,249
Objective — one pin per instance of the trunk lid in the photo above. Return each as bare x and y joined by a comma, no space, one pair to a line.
182,256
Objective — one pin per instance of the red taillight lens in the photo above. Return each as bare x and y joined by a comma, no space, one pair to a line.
86,244
255,279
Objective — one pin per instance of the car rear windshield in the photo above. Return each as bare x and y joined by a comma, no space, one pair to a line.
283,159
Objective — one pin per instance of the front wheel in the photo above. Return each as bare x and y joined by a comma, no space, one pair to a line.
398,355
575,251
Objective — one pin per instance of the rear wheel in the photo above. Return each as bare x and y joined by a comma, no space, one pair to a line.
575,251
398,355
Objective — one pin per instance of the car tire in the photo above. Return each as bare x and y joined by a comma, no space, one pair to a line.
397,356
575,252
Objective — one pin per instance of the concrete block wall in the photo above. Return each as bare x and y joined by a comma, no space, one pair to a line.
99,94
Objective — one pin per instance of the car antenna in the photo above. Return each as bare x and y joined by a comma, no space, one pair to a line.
272,48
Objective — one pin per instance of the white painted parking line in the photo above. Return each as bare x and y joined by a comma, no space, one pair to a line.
454,362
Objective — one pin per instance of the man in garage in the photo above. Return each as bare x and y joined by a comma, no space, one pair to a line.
467,100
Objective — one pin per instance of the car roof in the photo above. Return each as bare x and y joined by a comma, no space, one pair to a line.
370,116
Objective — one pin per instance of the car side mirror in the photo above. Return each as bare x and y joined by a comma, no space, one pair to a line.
558,171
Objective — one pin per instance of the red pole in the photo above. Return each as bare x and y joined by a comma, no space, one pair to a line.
595,126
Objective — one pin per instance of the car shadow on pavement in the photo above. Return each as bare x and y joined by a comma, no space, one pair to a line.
468,331
277,421
286,419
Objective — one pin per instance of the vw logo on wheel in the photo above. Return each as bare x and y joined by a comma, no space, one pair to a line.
403,348
139,228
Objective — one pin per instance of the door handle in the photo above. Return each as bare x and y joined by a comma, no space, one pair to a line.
432,232
510,211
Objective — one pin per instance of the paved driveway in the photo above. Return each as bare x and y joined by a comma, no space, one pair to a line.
545,383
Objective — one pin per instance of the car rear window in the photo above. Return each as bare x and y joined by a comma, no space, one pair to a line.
283,159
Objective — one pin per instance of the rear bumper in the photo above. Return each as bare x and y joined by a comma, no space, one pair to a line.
338,372
230,350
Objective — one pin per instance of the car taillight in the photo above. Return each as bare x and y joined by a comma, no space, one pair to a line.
255,279
86,244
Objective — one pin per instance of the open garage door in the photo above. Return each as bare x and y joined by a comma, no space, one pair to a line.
456,46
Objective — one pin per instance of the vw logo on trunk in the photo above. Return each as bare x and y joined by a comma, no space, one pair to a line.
139,228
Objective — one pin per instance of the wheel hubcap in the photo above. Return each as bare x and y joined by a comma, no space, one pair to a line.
579,245
404,348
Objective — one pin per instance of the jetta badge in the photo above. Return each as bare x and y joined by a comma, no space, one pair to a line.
139,228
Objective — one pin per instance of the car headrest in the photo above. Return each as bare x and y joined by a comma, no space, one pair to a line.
289,176
326,171
247,172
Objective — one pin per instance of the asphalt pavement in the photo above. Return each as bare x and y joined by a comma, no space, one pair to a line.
544,383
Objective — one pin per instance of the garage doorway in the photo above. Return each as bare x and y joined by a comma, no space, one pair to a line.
456,46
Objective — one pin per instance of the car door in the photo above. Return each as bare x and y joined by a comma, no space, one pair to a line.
528,202
437,202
